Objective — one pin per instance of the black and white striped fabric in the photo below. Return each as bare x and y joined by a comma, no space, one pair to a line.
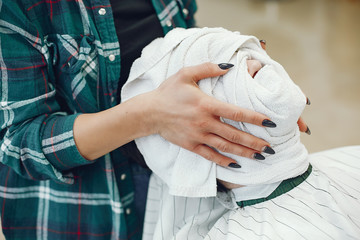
325,206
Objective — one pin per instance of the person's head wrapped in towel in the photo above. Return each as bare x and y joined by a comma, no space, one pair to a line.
270,92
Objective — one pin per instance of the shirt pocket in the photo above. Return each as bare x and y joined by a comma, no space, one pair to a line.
70,52
75,65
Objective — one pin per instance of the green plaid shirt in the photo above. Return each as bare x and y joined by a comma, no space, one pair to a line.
58,59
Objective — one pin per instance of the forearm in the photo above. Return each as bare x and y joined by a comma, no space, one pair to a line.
99,133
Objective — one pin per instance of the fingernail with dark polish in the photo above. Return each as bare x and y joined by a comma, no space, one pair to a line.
225,66
258,156
268,150
262,41
308,101
234,165
308,132
268,123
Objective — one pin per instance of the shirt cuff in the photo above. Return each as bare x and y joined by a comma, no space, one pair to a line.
58,143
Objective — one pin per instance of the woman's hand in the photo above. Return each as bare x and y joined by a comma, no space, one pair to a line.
181,113
186,116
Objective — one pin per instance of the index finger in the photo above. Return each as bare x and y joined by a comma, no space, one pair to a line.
239,114
205,70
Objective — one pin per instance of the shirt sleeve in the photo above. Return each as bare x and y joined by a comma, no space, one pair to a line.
36,134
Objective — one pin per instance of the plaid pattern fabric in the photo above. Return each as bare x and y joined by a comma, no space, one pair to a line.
59,59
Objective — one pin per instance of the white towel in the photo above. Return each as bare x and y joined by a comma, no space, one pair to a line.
272,93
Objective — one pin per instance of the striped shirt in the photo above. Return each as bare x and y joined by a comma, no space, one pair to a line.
323,204
59,59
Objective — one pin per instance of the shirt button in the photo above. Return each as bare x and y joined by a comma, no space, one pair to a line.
185,12
128,211
123,176
102,11
112,99
112,57
168,23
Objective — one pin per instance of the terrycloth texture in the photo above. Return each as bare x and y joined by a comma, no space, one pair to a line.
272,93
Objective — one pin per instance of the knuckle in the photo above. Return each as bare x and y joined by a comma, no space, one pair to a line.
202,124
195,148
206,106
235,138
223,147
198,149
209,156
184,73
238,115
190,147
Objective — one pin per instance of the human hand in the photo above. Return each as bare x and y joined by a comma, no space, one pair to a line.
184,115
301,123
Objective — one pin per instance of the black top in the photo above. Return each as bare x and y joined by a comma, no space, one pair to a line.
136,26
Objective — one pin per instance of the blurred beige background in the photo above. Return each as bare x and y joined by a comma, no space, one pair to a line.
318,43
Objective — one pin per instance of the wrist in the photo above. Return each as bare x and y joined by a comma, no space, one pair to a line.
139,111
96,134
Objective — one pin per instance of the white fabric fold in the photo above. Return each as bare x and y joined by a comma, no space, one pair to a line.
271,92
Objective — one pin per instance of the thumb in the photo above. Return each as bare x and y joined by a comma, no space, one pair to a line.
205,70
